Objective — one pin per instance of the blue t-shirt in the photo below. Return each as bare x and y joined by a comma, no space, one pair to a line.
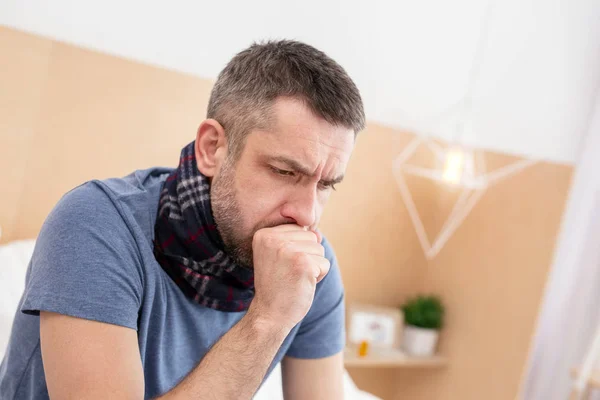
93,259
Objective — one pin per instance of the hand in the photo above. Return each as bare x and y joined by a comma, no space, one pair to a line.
288,263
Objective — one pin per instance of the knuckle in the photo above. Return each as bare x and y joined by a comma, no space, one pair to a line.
259,236
316,237
299,258
269,240
282,248
299,261
321,251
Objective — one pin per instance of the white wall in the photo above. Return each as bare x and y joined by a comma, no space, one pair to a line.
411,59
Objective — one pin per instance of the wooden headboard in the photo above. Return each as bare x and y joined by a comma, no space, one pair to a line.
68,115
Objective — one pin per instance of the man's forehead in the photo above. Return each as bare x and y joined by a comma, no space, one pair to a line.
308,151
310,142
296,134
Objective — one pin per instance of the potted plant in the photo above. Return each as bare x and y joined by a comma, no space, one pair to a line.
423,317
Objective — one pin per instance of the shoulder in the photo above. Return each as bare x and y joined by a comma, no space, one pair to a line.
86,262
91,204
87,233
115,205
87,221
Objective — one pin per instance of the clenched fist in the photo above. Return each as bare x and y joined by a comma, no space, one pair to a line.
288,263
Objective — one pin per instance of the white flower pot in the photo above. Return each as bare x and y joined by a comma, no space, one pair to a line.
419,341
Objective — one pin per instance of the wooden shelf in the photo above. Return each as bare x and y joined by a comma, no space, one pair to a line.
390,359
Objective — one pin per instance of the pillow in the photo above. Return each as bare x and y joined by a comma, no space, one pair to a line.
14,258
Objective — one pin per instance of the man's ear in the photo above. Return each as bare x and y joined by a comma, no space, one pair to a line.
210,147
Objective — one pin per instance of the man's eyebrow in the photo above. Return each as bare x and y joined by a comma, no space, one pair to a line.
334,181
297,167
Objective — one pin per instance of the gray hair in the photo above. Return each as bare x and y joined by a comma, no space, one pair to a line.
241,98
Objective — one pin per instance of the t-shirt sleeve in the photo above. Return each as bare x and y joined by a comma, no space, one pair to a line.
321,333
86,263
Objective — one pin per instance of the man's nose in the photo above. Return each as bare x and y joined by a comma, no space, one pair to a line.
302,206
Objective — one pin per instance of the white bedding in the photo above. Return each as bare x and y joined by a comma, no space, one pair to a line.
14,258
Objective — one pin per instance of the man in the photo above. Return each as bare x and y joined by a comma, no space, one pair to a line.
194,282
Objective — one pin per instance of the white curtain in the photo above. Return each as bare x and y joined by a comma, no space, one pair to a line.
570,309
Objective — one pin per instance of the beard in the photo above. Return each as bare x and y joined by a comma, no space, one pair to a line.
229,219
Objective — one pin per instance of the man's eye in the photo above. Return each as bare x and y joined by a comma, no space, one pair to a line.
282,172
325,186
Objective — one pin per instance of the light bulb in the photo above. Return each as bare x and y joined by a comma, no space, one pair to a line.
454,165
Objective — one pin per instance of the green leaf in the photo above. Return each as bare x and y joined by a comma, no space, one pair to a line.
424,312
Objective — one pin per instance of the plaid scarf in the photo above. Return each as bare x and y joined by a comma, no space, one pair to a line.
189,247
